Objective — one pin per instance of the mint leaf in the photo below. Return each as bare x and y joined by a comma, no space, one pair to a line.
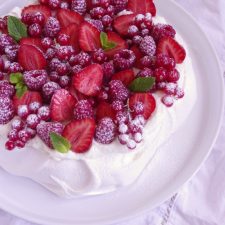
60,143
21,91
16,28
142,84
106,44
15,78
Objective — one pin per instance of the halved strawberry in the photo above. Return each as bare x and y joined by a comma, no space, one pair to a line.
80,134
104,109
120,44
147,99
31,58
27,98
62,106
121,23
32,41
138,55
89,37
73,31
89,80
126,76
67,17
31,9
76,94
171,47
142,6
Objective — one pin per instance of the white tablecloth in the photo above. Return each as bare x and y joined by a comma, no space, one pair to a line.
202,200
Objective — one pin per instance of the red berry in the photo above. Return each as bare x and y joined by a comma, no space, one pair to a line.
54,76
173,75
62,69
170,88
64,81
137,108
123,139
122,117
123,128
44,113
79,6
165,61
17,124
99,56
137,39
83,59
160,31
63,39
54,4
133,30
135,128
110,10
147,61
83,109
160,74
38,18
15,67
32,121
26,18
138,137
9,145
49,89
47,43
148,46
119,5
13,135
11,52
167,100
31,132
103,96
146,72
64,52
23,135
131,144
108,70
117,105
50,53
64,5
97,12
52,27
34,106
20,144
6,89
118,91
23,111
35,30
179,93
107,20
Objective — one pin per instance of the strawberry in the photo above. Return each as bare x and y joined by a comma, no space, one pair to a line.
147,99
120,44
104,109
31,58
66,17
31,9
121,23
76,94
32,41
138,55
27,98
171,47
80,134
72,30
89,80
142,6
62,105
89,37
126,76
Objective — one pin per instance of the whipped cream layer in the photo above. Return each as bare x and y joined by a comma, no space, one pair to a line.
104,168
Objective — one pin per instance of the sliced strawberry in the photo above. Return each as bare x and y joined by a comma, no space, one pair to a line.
27,98
171,47
104,109
147,99
32,41
72,30
120,44
138,55
142,6
126,76
80,134
31,58
76,94
121,23
31,9
89,37
67,17
62,105
89,80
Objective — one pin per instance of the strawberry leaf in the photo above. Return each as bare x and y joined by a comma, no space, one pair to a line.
16,28
106,45
142,84
60,143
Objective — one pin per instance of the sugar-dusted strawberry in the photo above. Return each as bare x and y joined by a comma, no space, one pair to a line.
62,106
72,31
89,80
32,41
138,55
67,17
121,23
126,76
27,98
31,58
172,48
80,134
32,9
120,44
142,6
105,109
148,101
89,37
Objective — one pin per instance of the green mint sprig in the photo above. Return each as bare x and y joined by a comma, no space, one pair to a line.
60,143
142,84
20,86
106,44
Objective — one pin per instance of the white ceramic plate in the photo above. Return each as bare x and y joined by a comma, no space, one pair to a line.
173,165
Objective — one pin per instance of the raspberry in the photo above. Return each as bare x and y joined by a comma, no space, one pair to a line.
102,3
144,32
5,40
49,89
138,137
167,100
17,124
123,139
54,76
54,4
99,56
117,105
79,6
137,39
106,131
137,109
9,145
103,96
6,89
83,59
96,23
123,128
6,110
35,79
83,109
64,5
148,61
108,70
134,127
3,24
27,18
118,91
64,52
47,43
161,85
38,18
13,135
32,121
148,46
34,106
62,69
148,20
64,81
165,61
52,27
170,88
15,67
50,53
63,39
119,5
54,63
179,93
160,31
110,10
23,135
146,72
97,12
139,19
173,75
160,74
44,113
11,52
123,60
23,111
76,69
131,144
133,31
122,117
35,30
139,120
107,20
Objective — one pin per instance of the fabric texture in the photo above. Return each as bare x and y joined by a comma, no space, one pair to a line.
202,200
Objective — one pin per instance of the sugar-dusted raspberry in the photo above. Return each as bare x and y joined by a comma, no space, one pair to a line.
133,31
6,110
144,32
107,20
15,67
27,18
64,5
35,79
6,89
54,76
63,39
17,124
54,63
110,10
62,69
139,19
108,70
123,139
47,43
118,91
160,74
148,46
165,61
170,88
161,85
76,69
44,113
10,145
106,131
23,111
123,128
99,56
52,27
83,59
97,12
38,18
137,39
167,100
124,59
5,40
119,5
131,144
137,108
64,81
32,121
148,20
23,135
79,6
83,109
50,53
138,137
49,89
54,4
139,120
35,30
122,117
13,135
3,24
134,127
11,52
97,23
34,106
173,75
160,31
179,93
117,105
148,61
102,3
64,52
146,72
